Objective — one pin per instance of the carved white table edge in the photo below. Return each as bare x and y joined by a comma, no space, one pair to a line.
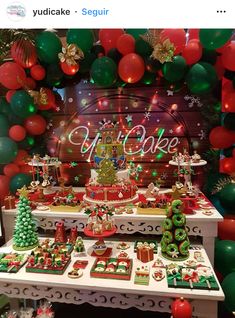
201,308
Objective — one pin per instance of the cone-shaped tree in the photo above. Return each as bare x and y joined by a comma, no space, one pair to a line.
175,243
25,232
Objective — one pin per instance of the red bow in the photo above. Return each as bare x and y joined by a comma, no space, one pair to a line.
193,277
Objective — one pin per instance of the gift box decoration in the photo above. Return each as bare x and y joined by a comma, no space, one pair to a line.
144,253
9,202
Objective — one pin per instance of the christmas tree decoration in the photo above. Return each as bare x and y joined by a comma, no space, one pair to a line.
106,173
25,234
175,243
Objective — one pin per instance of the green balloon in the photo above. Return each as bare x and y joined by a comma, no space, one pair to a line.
201,78
27,143
18,181
214,38
143,48
54,75
22,104
84,38
228,286
48,47
8,150
148,78
227,196
104,72
174,71
136,32
85,64
225,256
4,106
4,126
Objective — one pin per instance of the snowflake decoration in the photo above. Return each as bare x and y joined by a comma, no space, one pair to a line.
174,254
138,132
171,131
202,134
147,115
164,175
170,93
128,118
57,109
193,100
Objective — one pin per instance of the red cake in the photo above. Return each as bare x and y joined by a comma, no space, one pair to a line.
109,182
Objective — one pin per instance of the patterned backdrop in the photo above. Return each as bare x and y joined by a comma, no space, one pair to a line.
153,122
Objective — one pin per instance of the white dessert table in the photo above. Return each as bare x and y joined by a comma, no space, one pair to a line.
198,224
109,292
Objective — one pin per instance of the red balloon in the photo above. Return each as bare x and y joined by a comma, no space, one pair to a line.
176,37
12,75
227,165
126,44
221,49
109,37
181,308
37,72
30,83
226,228
21,158
228,57
35,125
192,52
11,169
193,34
24,53
4,186
131,68
219,67
221,138
26,169
228,101
69,69
50,100
17,133
9,95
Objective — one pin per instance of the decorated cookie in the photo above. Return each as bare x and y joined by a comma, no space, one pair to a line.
75,273
123,246
158,275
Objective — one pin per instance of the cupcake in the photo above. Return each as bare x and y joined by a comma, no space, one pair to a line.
196,157
99,248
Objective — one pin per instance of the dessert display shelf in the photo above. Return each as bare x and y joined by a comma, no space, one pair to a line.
198,224
156,296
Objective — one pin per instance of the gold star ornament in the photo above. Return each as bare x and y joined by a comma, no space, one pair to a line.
23,192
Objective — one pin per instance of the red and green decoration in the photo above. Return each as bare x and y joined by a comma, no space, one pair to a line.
175,243
25,232
196,58
106,173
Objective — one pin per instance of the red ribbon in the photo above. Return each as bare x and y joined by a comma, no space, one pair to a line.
193,277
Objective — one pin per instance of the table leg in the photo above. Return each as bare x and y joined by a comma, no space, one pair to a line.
209,245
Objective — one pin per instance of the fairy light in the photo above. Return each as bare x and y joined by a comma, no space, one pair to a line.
159,155
154,173
155,99
174,107
179,128
83,102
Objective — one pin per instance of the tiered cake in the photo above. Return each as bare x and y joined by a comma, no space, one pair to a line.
110,182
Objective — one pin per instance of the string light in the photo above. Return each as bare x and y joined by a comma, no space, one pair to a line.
155,99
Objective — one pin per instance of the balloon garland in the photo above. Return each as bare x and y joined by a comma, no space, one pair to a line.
119,57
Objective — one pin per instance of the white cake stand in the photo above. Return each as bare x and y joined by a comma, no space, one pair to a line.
188,165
